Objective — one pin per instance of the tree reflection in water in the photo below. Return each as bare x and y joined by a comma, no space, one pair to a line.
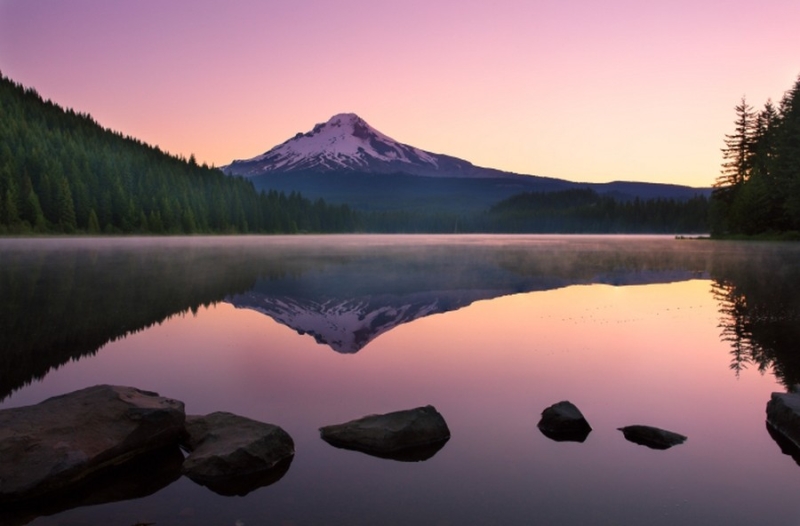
760,318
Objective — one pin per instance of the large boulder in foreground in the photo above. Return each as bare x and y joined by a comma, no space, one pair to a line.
409,435
65,440
233,455
564,422
783,414
652,437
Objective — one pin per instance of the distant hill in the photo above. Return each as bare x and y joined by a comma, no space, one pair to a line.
345,160
61,172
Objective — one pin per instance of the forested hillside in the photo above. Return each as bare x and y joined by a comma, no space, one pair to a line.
586,211
61,172
759,189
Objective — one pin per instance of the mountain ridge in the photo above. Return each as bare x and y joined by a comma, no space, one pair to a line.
345,160
346,141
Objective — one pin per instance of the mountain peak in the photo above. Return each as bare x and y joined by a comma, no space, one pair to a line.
346,118
343,142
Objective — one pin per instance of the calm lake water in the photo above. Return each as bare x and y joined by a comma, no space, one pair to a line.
302,332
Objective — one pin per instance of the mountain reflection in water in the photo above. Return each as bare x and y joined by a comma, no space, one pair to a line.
64,299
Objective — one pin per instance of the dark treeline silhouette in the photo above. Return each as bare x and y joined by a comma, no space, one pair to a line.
586,211
61,172
564,211
758,191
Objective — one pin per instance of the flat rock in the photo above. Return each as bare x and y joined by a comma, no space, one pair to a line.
65,440
783,414
409,435
652,437
564,422
233,455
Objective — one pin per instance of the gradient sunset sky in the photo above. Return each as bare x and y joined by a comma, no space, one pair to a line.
580,90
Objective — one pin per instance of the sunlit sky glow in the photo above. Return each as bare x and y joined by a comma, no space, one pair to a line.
581,90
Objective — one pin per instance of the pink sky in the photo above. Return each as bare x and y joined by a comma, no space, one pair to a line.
581,90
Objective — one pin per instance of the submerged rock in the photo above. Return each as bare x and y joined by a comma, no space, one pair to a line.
652,437
564,422
409,435
783,414
233,455
63,441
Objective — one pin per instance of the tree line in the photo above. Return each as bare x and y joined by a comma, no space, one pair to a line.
61,172
758,191
586,211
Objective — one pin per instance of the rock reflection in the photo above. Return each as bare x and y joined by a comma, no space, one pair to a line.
413,454
243,485
786,446
140,478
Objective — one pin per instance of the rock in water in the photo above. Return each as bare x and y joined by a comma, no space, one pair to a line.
564,422
233,455
410,435
64,440
652,437
783,414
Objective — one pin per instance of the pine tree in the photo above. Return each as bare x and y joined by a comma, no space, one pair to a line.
32,212
10,212
93,224
66,207
736,168
786,164
739,148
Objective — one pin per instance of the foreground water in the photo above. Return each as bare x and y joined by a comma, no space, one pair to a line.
691,336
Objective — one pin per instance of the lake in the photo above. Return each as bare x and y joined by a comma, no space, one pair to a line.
687,335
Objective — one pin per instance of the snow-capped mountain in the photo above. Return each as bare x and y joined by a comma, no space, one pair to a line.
347,161
347,143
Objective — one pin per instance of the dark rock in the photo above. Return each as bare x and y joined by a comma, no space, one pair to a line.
564,422
233,455
63,441
409,435
652,437
783,414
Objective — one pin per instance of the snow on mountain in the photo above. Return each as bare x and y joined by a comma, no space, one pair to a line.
347,142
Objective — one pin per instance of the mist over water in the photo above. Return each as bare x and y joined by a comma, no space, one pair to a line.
306,331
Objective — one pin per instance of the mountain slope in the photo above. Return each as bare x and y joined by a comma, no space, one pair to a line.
345,160
347,143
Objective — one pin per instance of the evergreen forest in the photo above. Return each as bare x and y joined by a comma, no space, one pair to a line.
758,191
586,211
61,172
